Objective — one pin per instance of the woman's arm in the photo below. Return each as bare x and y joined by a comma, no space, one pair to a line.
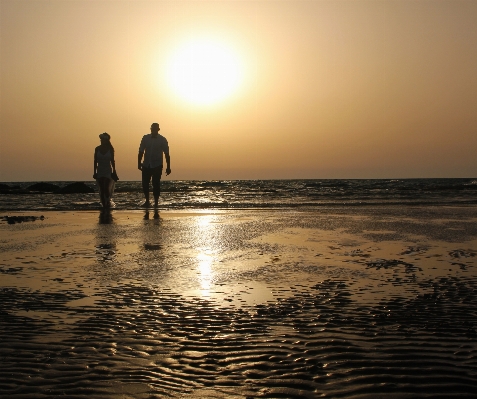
113,164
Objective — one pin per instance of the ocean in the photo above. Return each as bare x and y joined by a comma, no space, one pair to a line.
252,194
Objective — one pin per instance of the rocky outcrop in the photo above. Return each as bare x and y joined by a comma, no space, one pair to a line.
76,188
21,219
44,187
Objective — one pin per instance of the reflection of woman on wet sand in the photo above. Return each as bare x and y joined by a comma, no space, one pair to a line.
105,169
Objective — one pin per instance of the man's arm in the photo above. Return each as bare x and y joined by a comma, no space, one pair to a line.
168,163
95,167
139,160
140,154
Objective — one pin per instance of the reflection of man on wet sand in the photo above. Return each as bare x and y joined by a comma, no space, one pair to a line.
152,147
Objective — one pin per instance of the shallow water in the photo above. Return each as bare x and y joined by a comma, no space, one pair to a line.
354,303
252,194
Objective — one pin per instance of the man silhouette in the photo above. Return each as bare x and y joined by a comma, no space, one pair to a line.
152,146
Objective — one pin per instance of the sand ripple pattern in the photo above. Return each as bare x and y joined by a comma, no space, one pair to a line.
143,342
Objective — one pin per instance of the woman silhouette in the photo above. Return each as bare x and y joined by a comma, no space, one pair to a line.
105,170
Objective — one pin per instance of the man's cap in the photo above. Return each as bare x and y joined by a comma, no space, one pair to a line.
104,136
155,124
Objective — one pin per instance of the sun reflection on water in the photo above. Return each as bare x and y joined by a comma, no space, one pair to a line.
205,256
205,272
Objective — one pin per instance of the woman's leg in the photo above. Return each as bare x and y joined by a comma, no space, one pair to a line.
104,188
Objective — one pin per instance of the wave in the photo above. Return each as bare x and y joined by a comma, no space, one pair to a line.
243,194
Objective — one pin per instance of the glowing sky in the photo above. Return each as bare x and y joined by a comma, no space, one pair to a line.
294,89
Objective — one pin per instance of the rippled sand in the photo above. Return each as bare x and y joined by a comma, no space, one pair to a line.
354,303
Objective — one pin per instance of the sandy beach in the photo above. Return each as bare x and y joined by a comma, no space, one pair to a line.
359,302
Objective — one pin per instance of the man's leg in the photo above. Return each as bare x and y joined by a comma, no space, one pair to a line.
156,184
146,178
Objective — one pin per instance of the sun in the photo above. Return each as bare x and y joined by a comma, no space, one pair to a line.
204,71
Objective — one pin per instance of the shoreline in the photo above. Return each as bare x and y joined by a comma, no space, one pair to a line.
308,194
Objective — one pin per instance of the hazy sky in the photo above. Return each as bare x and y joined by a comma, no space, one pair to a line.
241,89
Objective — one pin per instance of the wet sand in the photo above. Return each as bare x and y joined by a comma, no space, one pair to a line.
341,303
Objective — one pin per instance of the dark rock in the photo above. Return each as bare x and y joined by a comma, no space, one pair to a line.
21,219
44,187
76,188
6,189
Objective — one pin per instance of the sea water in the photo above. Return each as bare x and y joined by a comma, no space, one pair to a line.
254,194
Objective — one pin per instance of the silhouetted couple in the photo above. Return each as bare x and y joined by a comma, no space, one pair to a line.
152,147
